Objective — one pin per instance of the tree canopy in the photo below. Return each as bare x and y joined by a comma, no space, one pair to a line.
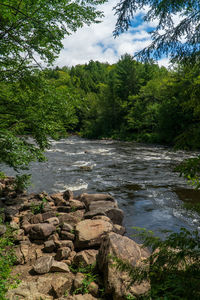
180,40
31,32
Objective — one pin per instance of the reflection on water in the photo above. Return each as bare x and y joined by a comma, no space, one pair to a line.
139,176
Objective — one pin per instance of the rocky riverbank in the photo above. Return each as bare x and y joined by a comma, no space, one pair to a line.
59,237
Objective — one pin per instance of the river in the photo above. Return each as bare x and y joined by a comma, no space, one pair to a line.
139,176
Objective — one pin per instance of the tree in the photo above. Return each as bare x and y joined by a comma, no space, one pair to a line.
30,32
35,29
181,41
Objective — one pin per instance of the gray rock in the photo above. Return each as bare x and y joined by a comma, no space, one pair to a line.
89,233
86,257
102,204
78,280
65,209
116,215
58,266
68,218
67,227
116,282
41,231
2,229
119,229
65,235
49,246
68,195
54,221
43,264
63,284
62,253
88,198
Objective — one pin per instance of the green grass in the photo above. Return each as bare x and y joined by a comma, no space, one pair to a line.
7,259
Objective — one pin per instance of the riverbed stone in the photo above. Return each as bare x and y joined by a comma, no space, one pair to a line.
41,231
119,229
105,204
66,235
54,221
27,291
117,282
89,233
68,218
62,253
49,246
62,285
76,204
68,195
88,198
86,257
116,215
78,280
67,227
36,219
43,264
58,266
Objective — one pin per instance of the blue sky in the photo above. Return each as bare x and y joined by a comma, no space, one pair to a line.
96,42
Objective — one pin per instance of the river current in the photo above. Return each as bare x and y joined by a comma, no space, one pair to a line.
139,176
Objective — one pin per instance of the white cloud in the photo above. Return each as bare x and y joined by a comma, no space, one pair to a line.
96,42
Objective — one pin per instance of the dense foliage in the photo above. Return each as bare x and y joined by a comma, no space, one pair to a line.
134,101
31,32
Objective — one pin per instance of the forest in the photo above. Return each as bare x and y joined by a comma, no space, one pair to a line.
130,100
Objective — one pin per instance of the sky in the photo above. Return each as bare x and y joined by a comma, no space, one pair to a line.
96,42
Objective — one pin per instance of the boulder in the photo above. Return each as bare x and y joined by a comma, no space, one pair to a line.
93,289
62,285
43,264
47,215
67,243
119,229
58,199
78,280
86,257
116,282
106,204
88,198
36,219
27,291
41,231
68,218
68,195
10,212
54,221
89,233
66,235
64,209
58,266
62,253
49,246
102,218
76,204
67,227
116,215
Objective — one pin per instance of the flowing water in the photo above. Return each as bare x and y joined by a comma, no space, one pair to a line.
139,176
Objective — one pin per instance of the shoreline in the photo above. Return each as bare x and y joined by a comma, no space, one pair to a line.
58,234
